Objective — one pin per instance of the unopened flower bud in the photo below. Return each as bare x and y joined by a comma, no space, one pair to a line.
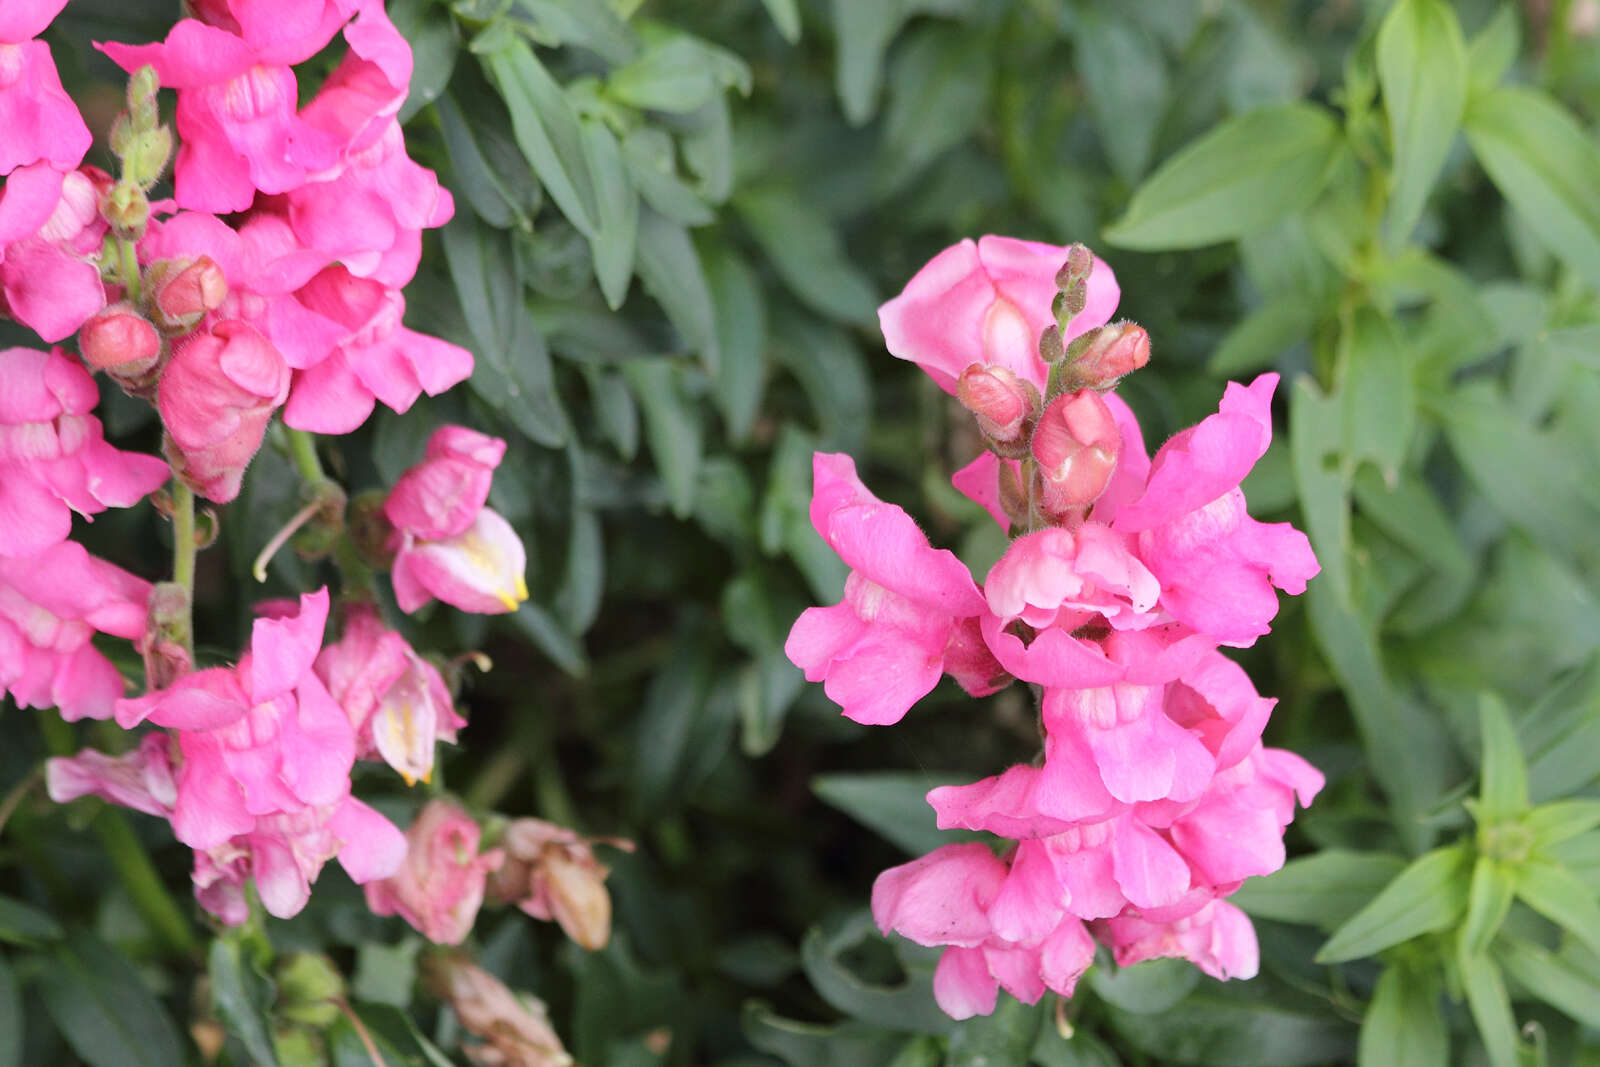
147,155
183,290
1075,445
163,647
1117,350
1000,401
1080,261
309,989
121,338
126,208
143,85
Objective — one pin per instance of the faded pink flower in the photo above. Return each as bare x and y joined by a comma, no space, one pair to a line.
141,779
551,873
440,885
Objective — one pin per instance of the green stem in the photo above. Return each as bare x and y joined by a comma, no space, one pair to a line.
145,888
183,550
303,450
130,269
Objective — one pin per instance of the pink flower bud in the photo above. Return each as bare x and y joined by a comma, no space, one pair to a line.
1000,401
1118,349
440,885
121,338
183,290
1076,445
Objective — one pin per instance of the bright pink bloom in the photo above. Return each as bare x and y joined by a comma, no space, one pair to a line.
882,648
988,302
376,358
440,885
50,607
368,86
448,544
1075,445
286,31
1218,939
53,456
1053,577
48,279
942,898
119,336
1122,731
23,19
40,119
141,779
1000,401
396,701
217,395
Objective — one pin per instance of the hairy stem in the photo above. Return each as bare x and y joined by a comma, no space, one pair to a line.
130,269
303,450
183,550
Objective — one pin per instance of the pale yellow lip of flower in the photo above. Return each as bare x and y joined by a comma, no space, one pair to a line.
511,600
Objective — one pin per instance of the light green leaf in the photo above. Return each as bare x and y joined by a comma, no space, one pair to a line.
1560,896
1126,76
652,165
241,996
1550,824
672,75
1377,393
1493,49
431,32
1428,896
671,427
386,974
786,16
936,71
579,22
1404,1026
1543,161
1316,432
1240,177
24,924
1503,793
893,804
1147,988
1422,68
1323,889
1488,900
1552,979
1491,1009
862,30
1264,335
618,206
808,254
102,1008
546,127
671,271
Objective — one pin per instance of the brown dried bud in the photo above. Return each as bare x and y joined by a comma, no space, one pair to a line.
515,1028
551,873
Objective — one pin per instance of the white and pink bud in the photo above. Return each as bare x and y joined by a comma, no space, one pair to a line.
183,290
1002,403
1076,445
121,341
1117,350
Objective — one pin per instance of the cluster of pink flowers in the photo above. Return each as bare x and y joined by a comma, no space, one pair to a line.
1154,797
269,286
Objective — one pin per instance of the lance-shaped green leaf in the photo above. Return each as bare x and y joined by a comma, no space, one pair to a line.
907,1005
1428,896
1552,979
1403,1026
618,205
1491,1008
1562,897
1503,790
1493,49
241,995
671,427
1544,162
1550,824
1322,890
1243,176
1377,392
1422,68
1488,900
102,1008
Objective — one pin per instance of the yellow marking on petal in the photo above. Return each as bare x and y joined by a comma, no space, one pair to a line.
427,776
522,588
409,780
508,600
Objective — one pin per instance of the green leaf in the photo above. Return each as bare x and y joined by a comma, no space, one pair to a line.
551,638
674,717
1428,896
618,208
893,804
1552,979
102,1008
1240,1025
1422,68
832,371
1403,1025
1083,1049
582,23
546,127
1503,793
1550,824
908,1005
386,974
1491,1009
435,44
671,427
1126,77
1488,900
758,608
241,996
862,31
1493,49
1240,177
1002,1039
936,71
1377,393
11,1020
1562,897
671,271
1542,159
786,16
577,598
1316,432
809,1045
474,180
1264,335
740,313
1323,889
652,165
24,924
1146,988
672,75
808,254
1562,732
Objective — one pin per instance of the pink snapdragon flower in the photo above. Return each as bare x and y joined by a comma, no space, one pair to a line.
53,456
883,647
49,280
142,779
1218,939
987,302
440,885
42,123
217,395
395,700
448,544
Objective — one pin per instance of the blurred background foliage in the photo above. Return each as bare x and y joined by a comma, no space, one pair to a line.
674,222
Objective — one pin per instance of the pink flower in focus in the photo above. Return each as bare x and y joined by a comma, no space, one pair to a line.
48,280
440,885
1076,445
395,700
882,648
41,122
448,544
988,302
1218,939
53,456
217,395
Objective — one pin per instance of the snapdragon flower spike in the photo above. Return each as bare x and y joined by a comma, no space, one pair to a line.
447,543
396,701
440,885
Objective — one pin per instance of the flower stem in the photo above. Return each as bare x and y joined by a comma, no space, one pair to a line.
130,269
303,450
183,550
